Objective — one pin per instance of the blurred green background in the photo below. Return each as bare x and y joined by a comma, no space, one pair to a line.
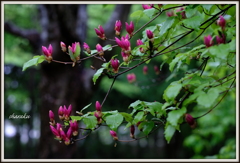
214,137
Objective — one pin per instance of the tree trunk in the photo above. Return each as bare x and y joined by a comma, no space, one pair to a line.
62,84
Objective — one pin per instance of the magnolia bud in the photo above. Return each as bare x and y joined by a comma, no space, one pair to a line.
190,120
114,135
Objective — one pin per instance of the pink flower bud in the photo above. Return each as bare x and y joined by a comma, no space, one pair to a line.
114,135
126,37
131,77
47,52
74,126
220,40
65,137
98,106
63,46
100,50
118,41
125,45
170,13
56,132
160,5
125,57
61,113
149,34
86,48
190,120
100,32
208,41
183,13
145,70
98,115
67,112
51,115
145,7
58,126
221,22
118,27
156,69
139,42
74,47
130,28
115,65
132,130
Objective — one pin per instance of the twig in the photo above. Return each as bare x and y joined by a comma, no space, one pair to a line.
115,77
218,101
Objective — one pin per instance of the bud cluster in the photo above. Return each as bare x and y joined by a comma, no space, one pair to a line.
221,39
64,114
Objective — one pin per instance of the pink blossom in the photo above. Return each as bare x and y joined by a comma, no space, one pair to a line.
131,77
221,22
115,65
113,134
63,46
145,70
98,106
208,41
145,7
149,34
100,50
47,51
100,32
118,27
129,28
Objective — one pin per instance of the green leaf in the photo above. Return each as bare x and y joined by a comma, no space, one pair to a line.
77,51
136,106
156,107
127,116
167,25
191,10
106,65
66,123
138,117
175,116
193,22
170,6
147,127
35,61
178,59
150,12
86,107
172,91
113,121
90,122
207,6
221,51
97,74
138,14
169,131
77,118
208,99
107,47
